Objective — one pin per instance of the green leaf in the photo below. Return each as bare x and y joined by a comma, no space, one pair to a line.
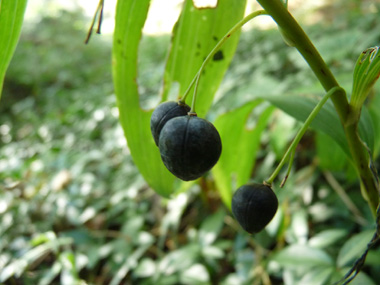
300,106
179,259
317,276
240,144
354,248
375,115
69,274
195,35
130,19
366,73
327,238
359,279
50,274
304,256
11,19
211,227
194,32
330,155
196,274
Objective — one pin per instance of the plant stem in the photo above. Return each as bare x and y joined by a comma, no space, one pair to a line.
212,53
301,132
289,25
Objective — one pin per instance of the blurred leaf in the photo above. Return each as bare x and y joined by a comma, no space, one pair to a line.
327,238
300,106
17,267
240,144
363,278
354,248
211,227
330,156
145,268
212,252
197,274
194,36
69,274
299,227
50,274
131,262
282,131
11,19
179,259
374,107
317,276
360,279
302,256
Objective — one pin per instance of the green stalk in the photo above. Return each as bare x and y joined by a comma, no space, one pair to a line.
212,53
291,29
300,133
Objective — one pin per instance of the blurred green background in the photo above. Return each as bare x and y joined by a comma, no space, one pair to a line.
75,210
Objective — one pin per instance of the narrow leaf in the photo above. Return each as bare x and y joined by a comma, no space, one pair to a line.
195,35
130,19
11,19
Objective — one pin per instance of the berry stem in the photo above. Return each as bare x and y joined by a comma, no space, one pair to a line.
301,132
212,53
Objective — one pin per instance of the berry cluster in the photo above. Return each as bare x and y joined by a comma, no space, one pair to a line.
189,146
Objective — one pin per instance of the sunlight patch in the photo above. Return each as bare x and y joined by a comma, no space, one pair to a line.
205,3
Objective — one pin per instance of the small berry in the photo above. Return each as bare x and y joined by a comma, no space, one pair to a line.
254,206
163,113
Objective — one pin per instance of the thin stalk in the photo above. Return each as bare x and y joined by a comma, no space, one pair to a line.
289,25
301,132
212,53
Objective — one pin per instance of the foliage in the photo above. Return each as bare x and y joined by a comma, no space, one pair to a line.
75,209
11,17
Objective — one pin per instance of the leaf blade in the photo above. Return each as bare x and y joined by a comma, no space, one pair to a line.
130,18
11,19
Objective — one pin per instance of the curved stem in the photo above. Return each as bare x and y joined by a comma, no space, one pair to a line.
301,132
212,53
291,28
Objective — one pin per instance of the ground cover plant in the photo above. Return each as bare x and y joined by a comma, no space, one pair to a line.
79,206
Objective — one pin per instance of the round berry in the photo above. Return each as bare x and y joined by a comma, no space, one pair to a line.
254,206
189,146
163,113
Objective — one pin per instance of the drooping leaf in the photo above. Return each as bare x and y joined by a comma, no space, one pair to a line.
194,35
11,19
300,106
240,144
